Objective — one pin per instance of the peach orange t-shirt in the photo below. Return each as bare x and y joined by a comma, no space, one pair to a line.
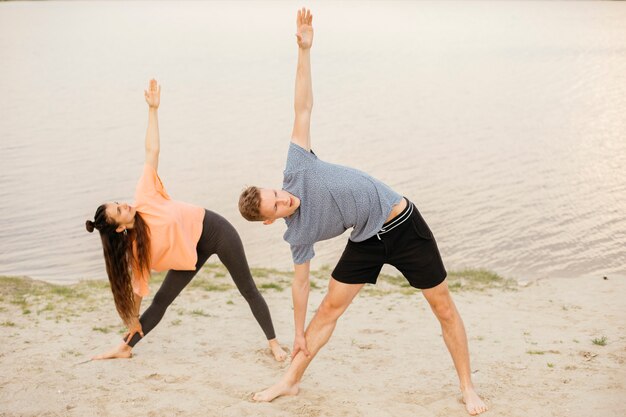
175,228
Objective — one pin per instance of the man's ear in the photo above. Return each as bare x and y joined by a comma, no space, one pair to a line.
268,221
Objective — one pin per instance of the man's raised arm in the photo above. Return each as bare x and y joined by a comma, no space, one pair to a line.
303,101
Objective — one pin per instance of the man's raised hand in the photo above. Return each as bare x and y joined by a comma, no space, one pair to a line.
304,24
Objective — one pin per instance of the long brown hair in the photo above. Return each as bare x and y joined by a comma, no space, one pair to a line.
119,256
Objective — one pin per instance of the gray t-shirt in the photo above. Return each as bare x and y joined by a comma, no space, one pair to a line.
333,198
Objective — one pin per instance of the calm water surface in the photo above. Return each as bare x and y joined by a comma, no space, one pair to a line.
504,122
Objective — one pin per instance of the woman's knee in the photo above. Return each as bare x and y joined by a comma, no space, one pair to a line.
250,292
161,300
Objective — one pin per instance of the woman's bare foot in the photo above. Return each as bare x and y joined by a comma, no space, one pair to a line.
275,391
278,352
473,404
123,351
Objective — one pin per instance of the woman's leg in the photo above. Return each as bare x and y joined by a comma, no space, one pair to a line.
229,249
173,284
231,253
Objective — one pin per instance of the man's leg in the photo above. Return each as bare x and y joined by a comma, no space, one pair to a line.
320,329
455,338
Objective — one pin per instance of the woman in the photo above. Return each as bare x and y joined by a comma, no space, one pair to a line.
159,233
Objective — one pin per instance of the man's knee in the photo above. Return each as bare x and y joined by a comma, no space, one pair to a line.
329,309
444,310
441,302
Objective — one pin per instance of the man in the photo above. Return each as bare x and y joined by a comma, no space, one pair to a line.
320,201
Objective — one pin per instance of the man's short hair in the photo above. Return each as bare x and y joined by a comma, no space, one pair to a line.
249,204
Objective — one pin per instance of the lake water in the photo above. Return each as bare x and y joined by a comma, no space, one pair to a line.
503,121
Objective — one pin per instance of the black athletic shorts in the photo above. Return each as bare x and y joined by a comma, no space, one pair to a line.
405,242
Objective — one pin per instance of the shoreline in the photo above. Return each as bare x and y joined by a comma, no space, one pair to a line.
521,280
556,347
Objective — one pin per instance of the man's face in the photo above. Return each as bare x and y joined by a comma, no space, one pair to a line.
276,204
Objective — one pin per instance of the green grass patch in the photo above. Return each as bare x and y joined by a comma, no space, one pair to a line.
259,272
209,282
478,280
176,322
200,312
66,291
542,352
213,268
374,291
550,365
7,324
230,302
409,291
20,301
48,307
600,341
269,272
29,294
455,286
396,280
18,287
105,330
271,286
157,277
97,284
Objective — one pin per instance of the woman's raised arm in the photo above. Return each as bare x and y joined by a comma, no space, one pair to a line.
153,98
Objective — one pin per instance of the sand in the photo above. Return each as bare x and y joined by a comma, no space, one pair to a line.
532,351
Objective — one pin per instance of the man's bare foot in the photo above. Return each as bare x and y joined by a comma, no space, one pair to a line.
278,352
473,404
123,351
275,391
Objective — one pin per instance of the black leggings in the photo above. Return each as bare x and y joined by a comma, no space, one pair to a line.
220,237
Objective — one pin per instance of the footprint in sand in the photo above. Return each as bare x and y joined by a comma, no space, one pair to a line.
168,379
373,331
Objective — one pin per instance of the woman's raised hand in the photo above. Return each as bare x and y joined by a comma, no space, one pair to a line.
153,94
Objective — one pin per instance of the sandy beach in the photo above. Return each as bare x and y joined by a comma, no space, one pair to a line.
550,348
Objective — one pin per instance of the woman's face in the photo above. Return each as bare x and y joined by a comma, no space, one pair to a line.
121,213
